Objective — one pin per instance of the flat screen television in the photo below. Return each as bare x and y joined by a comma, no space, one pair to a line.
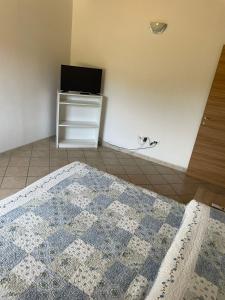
80,79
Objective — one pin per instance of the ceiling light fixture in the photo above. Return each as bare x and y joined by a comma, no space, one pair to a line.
158,27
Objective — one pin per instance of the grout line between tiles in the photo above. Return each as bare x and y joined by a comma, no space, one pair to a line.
29,163
6,170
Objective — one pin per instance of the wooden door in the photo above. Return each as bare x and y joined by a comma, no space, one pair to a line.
208,156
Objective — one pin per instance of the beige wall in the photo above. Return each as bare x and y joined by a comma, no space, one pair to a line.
34,40
155,85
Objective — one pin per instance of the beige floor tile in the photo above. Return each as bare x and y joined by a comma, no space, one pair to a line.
132,170
52,169
20,153
99,166
94,161
111,161
165,170
31,180
75,154
59,156
90,151
149,169
156,179
16,171
42,142
25,147
92,155
39,162
122,155
58,163
175,197
115,169
107,155
188,179
55,151
7,192
185,198
40,153
164,189
38,171
172,178
83,160
147,186
127,162
41,147
5,154
52,147
105,149
19,162
123,176
138,179
4,161
13,182
185,188
142,162
2,171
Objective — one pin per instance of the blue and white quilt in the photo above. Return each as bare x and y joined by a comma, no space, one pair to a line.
208,277
194,266
80,233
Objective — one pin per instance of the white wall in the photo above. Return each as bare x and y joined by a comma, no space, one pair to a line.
156,85
34,40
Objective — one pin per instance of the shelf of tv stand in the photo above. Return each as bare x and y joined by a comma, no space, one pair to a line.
79,124
77,143
80,103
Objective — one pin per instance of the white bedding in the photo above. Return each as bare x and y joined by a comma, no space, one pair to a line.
179,263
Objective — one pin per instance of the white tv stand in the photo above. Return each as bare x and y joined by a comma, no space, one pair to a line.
78,120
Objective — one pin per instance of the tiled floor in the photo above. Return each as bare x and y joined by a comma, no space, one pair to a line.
22,166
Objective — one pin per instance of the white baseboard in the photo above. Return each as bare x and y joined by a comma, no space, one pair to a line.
157,161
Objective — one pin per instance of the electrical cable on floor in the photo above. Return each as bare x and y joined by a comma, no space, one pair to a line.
152,145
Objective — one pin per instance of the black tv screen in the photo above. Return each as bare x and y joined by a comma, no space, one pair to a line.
80,79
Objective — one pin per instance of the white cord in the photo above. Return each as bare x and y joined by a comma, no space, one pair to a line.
140,148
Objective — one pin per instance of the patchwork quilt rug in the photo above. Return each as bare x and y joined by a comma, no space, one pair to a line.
80,233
